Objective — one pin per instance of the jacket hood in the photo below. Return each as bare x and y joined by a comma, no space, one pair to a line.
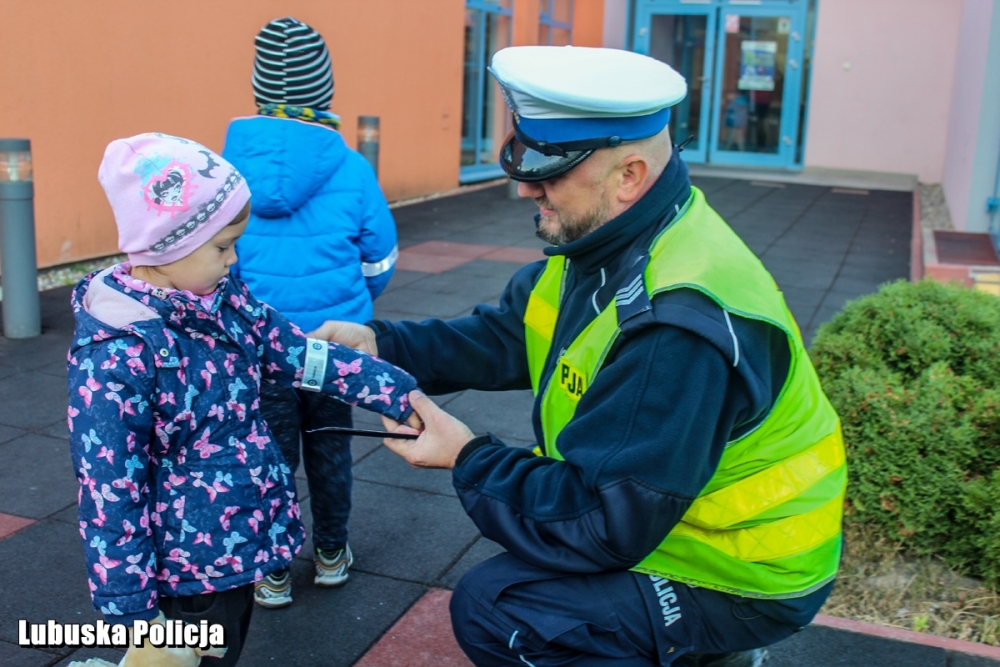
284,161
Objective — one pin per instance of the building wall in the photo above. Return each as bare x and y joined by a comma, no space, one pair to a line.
882,85
588,23
615,23
78,74
966,108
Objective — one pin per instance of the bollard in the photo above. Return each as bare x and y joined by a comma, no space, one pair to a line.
368,140
18,266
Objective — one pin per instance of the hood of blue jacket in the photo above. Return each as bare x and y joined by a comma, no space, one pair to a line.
287,161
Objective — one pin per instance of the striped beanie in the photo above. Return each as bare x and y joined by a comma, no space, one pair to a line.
292,66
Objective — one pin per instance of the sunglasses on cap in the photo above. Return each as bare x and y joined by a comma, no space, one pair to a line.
537,162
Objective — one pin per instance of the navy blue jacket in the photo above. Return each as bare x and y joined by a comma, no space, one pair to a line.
182,489
321,241
646,436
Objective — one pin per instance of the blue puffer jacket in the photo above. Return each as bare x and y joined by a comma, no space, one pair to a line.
321,243
182,490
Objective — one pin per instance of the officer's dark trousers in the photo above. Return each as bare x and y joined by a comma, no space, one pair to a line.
507,612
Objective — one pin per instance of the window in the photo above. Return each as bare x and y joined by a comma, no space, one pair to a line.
484,113
555,22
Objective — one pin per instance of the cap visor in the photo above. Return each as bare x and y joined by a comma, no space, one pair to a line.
526,164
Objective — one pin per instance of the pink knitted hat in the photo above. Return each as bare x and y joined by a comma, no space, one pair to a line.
169,196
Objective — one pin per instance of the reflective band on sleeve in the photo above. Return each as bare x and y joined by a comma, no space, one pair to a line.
315,367
372,269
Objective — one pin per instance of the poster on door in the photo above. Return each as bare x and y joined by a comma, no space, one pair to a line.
757,65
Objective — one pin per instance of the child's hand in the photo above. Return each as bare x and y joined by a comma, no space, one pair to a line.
350,334
441,438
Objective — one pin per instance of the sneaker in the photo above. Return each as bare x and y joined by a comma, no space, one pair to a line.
754,658
274,591
331,569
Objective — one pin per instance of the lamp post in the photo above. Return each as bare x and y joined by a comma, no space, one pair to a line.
18,266
368,140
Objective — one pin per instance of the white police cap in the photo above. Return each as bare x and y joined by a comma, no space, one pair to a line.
569,101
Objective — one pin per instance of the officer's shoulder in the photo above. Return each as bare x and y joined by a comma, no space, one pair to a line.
696,312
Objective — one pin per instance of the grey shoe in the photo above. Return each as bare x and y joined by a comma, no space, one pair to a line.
754,658
274,591
331,569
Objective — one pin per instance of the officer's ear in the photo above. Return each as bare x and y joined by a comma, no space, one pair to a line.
633,176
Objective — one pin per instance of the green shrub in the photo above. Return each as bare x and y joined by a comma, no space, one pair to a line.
914,372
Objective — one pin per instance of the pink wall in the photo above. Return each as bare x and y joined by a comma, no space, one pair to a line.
966,105
890,110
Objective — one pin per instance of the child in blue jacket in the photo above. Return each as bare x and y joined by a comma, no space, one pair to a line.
185,499
320,245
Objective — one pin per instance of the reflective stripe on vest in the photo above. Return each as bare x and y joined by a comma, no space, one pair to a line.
768,522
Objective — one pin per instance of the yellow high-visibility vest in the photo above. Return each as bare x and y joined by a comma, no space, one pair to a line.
768,523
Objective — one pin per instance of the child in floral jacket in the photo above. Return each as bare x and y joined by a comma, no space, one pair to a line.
185,500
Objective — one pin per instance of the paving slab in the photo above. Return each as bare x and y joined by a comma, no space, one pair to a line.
12,655
42,471
33,353
420,304
402,277
8,433
57,429
324,626
487,268
827,647
385,467
505,413
480,550
32,400
69,514
44,577
405,534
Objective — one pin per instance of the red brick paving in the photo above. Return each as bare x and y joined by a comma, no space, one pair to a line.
421,638
515,255
10,524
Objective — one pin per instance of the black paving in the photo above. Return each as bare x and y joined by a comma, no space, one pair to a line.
408,532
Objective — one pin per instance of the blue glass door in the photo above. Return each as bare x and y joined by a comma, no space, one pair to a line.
758,74
683,36
743,61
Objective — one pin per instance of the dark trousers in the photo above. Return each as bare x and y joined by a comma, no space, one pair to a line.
231,608
327,457
507,612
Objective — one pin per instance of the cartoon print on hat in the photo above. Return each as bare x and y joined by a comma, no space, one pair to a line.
166,184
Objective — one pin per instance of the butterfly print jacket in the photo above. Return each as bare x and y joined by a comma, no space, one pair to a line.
182,490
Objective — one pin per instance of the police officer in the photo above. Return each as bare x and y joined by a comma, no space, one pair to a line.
683,505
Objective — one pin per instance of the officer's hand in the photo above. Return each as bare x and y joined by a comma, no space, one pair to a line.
439,443
350,334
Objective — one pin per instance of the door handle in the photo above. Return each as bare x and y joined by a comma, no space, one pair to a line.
794,64
705,79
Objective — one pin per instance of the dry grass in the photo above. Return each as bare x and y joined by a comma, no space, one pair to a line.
878,583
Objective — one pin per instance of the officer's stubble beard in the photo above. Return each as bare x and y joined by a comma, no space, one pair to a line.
573,228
